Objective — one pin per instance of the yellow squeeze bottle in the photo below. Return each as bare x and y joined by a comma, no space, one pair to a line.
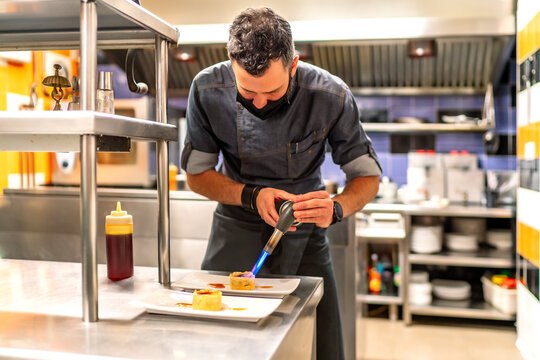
119,239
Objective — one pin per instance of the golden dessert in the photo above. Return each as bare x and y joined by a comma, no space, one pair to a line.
242,280
207,299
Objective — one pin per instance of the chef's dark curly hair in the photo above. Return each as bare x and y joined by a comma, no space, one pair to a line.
258,36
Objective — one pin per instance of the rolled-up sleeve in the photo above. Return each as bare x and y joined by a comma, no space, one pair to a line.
351,147
201,150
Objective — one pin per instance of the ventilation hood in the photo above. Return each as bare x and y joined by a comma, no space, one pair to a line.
370,55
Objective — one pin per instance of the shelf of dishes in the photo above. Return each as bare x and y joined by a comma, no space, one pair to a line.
483,257
122,24
379,299
464,309
422,127
466,237
444,297
61,130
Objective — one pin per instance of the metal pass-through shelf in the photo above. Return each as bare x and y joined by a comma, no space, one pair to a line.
55,24
87,25
61,130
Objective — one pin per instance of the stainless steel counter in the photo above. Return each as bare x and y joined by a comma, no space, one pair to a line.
42,224
40,318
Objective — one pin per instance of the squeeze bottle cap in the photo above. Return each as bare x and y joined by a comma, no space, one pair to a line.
119,217
119,211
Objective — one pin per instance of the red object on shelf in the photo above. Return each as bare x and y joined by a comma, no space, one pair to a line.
508,283
374,281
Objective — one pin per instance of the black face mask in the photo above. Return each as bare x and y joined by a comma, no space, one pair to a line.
271,108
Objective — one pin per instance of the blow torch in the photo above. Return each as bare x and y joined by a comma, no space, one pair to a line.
285,221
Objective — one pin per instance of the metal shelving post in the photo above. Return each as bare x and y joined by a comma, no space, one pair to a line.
68,24
88,66
162,154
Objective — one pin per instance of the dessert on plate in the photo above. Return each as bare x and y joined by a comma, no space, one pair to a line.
242,280
207,299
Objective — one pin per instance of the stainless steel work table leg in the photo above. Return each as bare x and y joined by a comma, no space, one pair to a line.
88,67
162,154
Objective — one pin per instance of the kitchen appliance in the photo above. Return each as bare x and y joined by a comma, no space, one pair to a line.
464,181
425,176
135,166
387,190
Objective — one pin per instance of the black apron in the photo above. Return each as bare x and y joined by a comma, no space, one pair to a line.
238,237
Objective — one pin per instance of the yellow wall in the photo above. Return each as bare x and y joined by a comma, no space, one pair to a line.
529,38
17,78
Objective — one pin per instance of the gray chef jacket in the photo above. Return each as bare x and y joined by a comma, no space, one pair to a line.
284,151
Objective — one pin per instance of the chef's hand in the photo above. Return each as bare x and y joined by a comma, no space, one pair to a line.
266,204
314,207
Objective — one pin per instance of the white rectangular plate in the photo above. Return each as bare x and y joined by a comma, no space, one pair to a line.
235,308
264,287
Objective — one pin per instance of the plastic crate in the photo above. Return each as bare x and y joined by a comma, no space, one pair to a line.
504,300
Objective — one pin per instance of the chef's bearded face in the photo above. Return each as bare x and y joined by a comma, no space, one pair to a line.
270,87
261,50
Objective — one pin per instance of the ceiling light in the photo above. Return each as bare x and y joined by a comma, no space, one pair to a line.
421,48
185,53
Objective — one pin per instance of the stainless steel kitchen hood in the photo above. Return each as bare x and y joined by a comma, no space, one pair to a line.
470,53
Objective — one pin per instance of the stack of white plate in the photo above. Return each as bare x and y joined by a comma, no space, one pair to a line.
500,239
426,239
451,289
419,288
461,242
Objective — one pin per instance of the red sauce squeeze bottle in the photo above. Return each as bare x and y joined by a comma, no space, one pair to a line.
119,239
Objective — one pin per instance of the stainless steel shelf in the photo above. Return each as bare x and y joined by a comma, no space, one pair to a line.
425,127
386,235
452,210
61,130
472,309
379,299
55,24
488,258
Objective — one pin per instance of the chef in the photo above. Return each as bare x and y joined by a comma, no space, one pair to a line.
271,116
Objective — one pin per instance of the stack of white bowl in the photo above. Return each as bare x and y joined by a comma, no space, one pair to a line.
419,288
426,239
451,289
461,242
500,239
471,226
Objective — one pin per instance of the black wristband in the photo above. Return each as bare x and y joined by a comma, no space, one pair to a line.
254,197
247,196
